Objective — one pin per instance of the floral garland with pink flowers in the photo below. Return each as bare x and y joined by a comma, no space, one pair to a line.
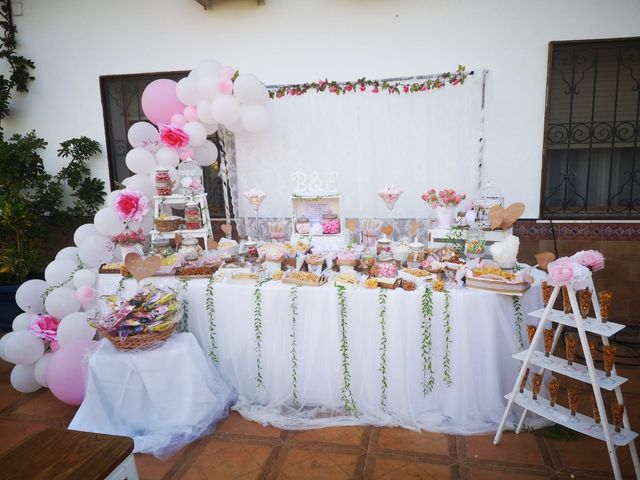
390,86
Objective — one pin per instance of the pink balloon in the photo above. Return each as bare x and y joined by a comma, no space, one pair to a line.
225,86
85,295
64,373
54,346
184,154
190,114
178,120
160,102
227,72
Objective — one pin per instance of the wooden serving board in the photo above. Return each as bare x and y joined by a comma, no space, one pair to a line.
293,281
496,286
193,277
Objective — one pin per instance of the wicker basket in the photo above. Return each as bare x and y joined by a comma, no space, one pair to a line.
169,225
139,341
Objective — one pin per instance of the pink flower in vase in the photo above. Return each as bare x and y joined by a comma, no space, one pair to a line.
591,259
174,137
45,327
131,205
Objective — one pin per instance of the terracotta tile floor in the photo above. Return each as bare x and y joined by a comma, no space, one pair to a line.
240,449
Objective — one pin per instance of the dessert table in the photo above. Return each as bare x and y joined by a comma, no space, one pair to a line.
446,371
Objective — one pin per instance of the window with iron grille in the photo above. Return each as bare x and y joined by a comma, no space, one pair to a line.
121,108
591,155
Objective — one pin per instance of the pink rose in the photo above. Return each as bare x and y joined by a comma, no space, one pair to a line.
591,259
131,205
173,137
560,271
45,327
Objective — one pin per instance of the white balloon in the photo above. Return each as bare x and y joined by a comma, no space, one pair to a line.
23,348
248,88
225,109
3,340
209,67
197,133
59,272
68,253
126,181
83,232
29,296
21,322
211,128
95,251
84,278
61,302
144,185
207,87
187,91
206,154
112,197
254,118
107,222
204,113
140,160
74,327
144,135
146,223
167,157
23,379
40,369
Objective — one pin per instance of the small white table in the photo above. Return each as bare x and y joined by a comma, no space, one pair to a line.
162,398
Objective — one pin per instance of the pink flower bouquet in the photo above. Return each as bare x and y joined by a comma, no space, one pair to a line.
131,205
566,271
592,259
447,198
128,237
174,137
45,327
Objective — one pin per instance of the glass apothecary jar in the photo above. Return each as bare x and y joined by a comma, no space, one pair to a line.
163,182
475,243
302,225
190,250
161,246
192,216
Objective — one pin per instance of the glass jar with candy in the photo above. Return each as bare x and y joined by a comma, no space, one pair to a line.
163,182
193,220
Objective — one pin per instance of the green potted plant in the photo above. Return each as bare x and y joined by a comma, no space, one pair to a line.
35,206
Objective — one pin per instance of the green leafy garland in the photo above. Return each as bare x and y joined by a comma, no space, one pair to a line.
517,307
257,327
211,311
382,302
184,323
345,394
120,286
428,377
392,87
446,362
293,295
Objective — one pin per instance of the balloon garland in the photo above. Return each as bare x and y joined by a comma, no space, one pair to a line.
49,340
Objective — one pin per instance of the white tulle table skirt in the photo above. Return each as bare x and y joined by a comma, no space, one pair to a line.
308,389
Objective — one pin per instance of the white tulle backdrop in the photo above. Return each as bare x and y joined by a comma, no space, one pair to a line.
417,141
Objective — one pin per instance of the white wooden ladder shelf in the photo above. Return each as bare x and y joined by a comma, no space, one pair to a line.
586,373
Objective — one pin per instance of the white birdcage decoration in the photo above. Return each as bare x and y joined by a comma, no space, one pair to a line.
190,177
489,196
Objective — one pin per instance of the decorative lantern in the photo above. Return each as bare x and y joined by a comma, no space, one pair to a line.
489,196
190,177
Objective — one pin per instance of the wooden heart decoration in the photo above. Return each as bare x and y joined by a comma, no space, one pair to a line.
388,230
544,258
211,243
142,268
352,225
227,229
178,240
512,213
497,215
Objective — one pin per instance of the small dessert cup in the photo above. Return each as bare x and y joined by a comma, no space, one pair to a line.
548,342
554,387
585,303
566,302
617,411
523,383
594,408
531,331
572,396
609,361
536,384
605,304
571,343
547,290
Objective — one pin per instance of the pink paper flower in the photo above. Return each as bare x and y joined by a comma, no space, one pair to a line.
591,259
45,327
560,271
131,205
174,137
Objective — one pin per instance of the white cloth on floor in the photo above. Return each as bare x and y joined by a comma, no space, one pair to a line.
162,398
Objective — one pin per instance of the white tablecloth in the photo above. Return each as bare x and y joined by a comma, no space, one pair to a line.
483,336
162,398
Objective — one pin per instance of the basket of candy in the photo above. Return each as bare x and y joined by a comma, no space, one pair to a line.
144,321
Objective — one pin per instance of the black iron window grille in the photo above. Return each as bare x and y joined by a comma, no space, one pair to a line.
591,154
121,108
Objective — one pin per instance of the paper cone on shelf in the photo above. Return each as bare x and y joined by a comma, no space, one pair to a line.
512,213
142,268
497,215
544,258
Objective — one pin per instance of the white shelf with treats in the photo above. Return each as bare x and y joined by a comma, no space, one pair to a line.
313,206
531,358
180,199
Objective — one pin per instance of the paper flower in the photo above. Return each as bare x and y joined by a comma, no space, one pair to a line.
174,137
566,271
505,253
447,198
45,327
592,259
390,194
131,205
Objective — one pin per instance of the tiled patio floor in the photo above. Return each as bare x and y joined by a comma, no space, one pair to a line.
241,449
